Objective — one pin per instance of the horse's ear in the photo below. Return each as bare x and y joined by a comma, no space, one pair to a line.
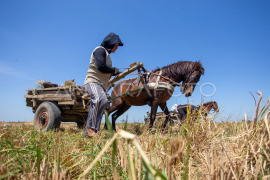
198,67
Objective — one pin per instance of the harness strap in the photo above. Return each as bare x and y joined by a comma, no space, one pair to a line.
137,80
128,93
160,72
163,85
139,73
173,82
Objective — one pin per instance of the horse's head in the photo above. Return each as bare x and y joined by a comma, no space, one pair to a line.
191,79
215,106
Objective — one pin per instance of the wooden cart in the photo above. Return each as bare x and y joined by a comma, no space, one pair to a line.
53,105
160,116
58,104
173,115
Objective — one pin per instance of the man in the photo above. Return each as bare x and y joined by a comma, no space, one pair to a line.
174,108
96,82
146,117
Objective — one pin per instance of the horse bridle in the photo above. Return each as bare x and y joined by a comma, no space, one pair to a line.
183,87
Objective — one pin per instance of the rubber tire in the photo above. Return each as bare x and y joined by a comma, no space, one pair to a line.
54,112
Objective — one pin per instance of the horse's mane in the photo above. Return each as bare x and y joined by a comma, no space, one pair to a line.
184,67
207,103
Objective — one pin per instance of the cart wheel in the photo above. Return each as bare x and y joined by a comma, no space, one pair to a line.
47,116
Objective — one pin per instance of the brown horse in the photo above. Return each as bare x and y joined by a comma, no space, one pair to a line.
205,107
188,73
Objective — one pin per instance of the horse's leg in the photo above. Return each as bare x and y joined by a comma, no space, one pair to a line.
117,103
164,108
153,112
118,113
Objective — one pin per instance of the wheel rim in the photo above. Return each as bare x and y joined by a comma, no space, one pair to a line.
43,119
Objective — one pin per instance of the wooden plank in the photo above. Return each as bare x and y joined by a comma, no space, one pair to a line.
54,99
34,103
49,96
173,115
72,102
51,89
74,95
34,100
85,96
123,74
83,101
29,92
29,102
66,102
133,64
80,109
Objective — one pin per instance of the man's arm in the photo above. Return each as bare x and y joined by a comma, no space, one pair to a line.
100,56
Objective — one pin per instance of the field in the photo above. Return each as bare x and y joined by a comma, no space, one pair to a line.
200,149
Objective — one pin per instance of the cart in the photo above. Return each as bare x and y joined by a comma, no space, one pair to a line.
160,116
173,115
54,105
70,103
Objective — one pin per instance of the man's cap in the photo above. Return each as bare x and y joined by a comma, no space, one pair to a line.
110,41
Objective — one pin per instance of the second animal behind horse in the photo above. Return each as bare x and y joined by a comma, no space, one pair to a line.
205,107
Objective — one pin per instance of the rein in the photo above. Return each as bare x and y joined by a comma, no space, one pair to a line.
128,93
175,83
184,83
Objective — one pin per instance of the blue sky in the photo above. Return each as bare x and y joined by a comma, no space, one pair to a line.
53,41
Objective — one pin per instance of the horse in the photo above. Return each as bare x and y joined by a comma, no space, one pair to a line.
206,107
187,72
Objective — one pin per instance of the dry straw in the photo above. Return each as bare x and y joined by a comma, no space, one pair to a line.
195,149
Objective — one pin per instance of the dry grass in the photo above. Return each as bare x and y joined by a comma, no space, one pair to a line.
201,150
